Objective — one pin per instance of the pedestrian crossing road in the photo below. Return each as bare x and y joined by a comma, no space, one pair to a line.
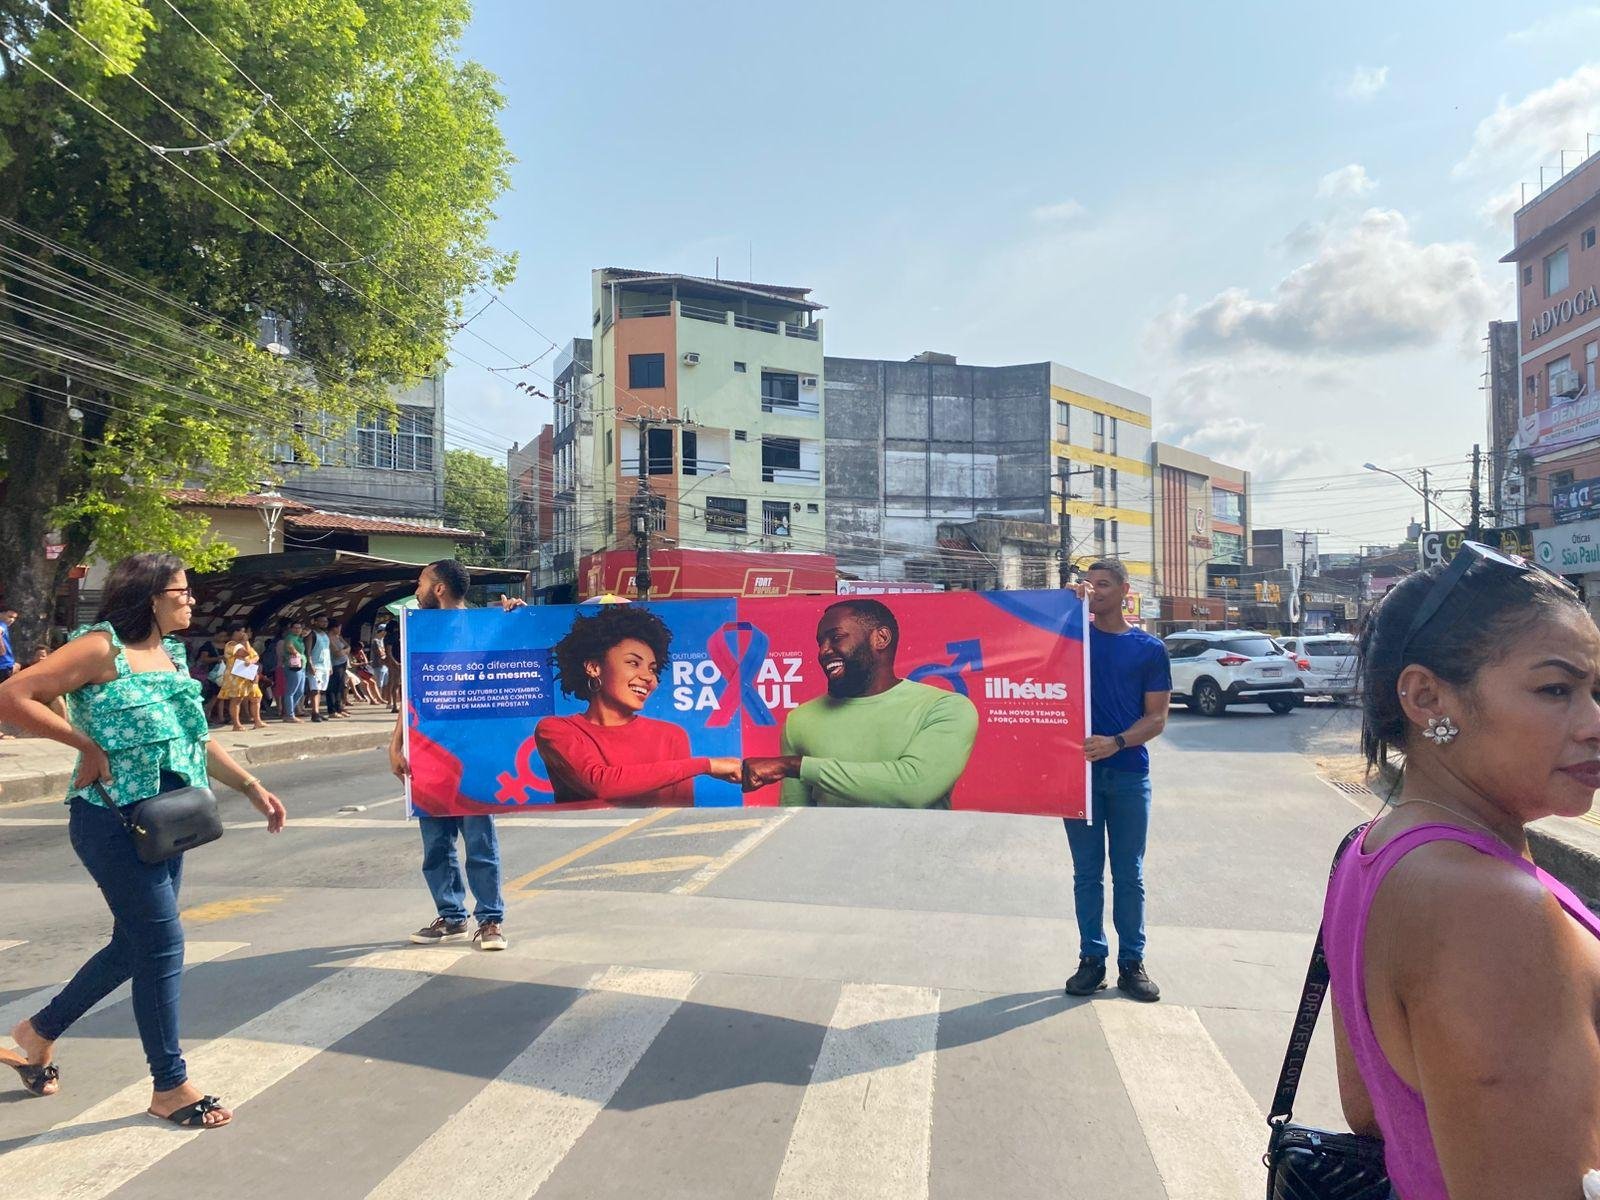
787,1004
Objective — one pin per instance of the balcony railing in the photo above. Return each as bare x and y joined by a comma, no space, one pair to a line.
802,475
701,465
803,407
809,332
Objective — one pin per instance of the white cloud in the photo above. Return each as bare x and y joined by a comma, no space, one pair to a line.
1348,181
1516,138
1559,26
1201,411
1366,82
1369,288
1067,210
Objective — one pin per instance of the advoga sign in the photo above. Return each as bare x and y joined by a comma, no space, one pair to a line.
1569,549
1562,311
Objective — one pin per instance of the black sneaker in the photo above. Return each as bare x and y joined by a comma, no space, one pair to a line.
1091,977
1133,983
439,932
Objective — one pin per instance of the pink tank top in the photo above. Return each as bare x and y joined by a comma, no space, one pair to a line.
1408,1145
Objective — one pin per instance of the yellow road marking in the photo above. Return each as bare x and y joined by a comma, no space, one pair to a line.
766,828
706,827
572,856
642,866
221,910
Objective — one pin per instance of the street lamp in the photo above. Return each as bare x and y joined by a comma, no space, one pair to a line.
1427,501
271,510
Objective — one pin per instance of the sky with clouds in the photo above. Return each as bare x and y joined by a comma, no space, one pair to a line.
1281,225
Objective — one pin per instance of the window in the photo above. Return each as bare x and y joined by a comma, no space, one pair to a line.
1100,534
1115,534
658,451
739,368
1250,647
778,454
1227,548
1527,276
779,390
811,508
1533,386
647,370
1588,238
1063,421
739,435
1112,498
1555,272
726,514
1113,435
1183,647
1557,378
1227,506
1561,479
691,452
608,447
775,518
405,446
1590,353
611,516
1099,478
1099,424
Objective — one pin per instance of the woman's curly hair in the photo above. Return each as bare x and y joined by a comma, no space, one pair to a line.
590,638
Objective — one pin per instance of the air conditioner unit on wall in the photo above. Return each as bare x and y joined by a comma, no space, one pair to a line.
808,382
691,358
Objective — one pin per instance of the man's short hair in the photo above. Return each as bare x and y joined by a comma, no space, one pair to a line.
876,614
1112,567
453,575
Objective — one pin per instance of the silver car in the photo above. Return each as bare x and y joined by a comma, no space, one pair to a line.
1328,664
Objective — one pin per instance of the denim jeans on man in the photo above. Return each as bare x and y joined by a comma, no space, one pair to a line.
146,941
443,872
1122,821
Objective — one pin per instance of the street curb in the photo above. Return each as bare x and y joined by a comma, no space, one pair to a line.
39,787
1573,865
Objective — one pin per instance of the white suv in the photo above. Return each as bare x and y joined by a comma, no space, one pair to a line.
1213,668
1327,664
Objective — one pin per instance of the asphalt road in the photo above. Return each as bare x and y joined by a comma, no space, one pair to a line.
702,1004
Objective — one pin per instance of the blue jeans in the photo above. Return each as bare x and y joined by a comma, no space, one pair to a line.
294,687
1122,818
146,942
443,872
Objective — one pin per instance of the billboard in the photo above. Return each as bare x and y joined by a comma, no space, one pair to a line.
1440,546
958,700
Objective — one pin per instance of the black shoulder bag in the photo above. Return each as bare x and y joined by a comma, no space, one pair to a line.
1316,1164
169,823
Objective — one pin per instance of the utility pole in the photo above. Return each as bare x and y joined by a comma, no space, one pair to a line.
1427,509
646,508
1304,538
1475,530
1064,553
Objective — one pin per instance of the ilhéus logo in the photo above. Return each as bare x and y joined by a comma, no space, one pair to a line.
999,687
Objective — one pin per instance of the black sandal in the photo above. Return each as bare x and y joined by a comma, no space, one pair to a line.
35,1078
193,1116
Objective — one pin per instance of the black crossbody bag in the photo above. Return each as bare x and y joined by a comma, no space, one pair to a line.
1316,1164
169,823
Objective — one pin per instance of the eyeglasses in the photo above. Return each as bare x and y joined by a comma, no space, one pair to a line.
183,591
1466,555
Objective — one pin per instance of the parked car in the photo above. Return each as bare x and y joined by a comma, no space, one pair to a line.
1215,668
1327,664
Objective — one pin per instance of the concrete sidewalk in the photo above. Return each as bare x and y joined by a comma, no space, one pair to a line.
34,768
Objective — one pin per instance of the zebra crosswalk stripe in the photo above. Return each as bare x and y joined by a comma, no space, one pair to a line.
194,953
101,1149
865,1126
7,945
1204,1131
549,1095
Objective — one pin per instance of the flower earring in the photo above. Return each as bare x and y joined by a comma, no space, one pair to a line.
1441,731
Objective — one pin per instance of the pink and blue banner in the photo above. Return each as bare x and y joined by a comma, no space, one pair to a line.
962,700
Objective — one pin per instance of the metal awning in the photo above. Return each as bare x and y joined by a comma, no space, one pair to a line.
346,587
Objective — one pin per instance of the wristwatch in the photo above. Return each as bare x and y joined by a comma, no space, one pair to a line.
1122,742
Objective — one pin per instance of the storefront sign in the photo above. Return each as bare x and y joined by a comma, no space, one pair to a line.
1440,546
1569,549
1563,425
1558,314
1575,501
997,706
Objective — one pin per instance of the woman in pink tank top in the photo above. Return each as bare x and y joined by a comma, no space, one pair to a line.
1466,981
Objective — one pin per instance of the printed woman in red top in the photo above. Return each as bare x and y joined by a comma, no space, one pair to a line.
609,753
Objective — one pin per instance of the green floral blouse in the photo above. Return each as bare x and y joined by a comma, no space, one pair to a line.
145,721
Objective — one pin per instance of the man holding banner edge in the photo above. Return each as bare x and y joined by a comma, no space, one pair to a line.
1130,689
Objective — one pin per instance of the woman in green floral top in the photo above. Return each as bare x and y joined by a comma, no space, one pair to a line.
139,727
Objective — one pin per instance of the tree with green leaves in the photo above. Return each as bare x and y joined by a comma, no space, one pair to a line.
476,497
170,175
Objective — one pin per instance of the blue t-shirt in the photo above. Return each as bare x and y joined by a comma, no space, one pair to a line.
7,659
1122,668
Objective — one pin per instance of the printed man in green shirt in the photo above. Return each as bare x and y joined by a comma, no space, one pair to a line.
874,739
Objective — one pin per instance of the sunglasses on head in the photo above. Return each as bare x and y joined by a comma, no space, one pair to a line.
1468,554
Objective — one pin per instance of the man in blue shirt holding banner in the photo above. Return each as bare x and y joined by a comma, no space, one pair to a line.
1130,685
